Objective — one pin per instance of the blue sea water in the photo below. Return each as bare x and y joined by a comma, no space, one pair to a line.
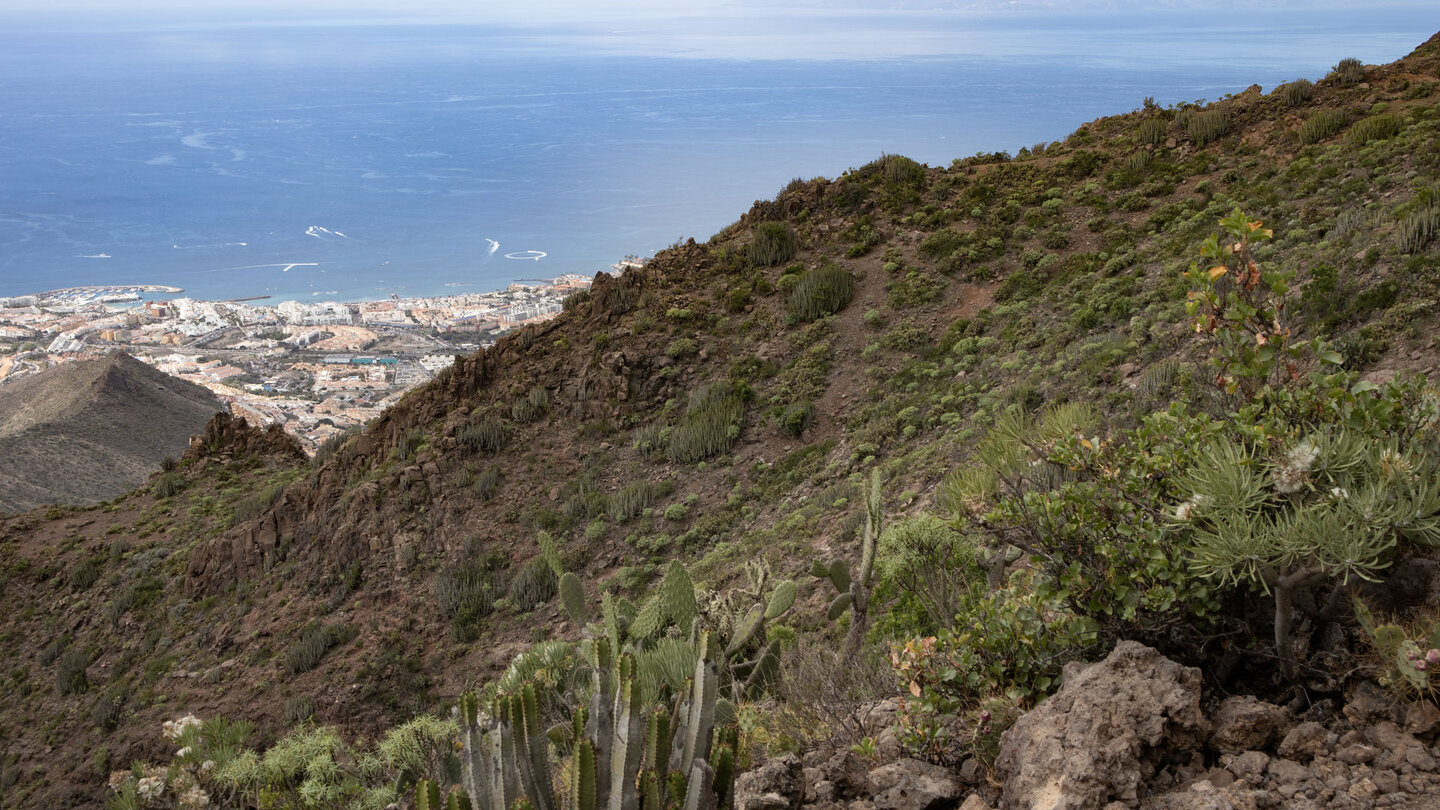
359,161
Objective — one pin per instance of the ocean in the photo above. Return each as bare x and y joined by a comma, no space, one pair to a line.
348,162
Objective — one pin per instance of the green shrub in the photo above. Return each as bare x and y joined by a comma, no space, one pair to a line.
314,641
121,601
522,411
901,170
929,573
1055,239
1348,71
1419,90
681,347
1208,126
298,709
105,712
797,418
634,498
576,300
409,443
1012,642
915,289
905,336
866,238
484,434
711,423
486,482
50,653
466,589
1418,230
168,485
1375,128
1297,92
70,675
84,572
773,244
619,298
1324,124
329,446
822,291
677,512
534,585
1152,131
255,504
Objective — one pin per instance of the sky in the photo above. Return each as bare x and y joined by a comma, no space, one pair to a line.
724,29
596,10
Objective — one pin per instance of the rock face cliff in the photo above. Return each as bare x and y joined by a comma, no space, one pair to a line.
88,431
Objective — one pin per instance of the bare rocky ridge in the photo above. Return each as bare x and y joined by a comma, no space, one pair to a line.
87,431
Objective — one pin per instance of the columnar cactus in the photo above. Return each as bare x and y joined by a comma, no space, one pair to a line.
853,593
622,759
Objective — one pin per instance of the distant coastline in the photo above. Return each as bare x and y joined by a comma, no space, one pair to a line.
318,367
405,164
101,288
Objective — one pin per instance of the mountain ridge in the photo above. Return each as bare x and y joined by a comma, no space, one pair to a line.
1050,276
61,427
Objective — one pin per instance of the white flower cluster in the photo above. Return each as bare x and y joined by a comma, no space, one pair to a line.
194,797
174,728
1295,472
1185,509
1393,465
150,788
118,779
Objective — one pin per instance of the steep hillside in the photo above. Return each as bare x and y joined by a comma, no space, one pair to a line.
722,405
87,431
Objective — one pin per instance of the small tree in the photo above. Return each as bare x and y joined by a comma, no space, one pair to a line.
1330,508
1324,475
1240,308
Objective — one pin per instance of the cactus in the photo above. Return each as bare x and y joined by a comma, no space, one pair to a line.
740,678
582,792
853,593
1388,638
457,800
651,798
626,749
722,762
781,600
765,669
698,792
538,785
572,597
549,552
427,795
623,760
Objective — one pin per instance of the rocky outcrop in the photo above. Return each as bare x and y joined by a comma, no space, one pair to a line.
1246,723
227,437
1105,735
1130,732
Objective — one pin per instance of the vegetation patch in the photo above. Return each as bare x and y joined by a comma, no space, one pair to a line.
711,424
821,292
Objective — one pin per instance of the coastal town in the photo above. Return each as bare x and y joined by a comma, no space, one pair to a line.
318,369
